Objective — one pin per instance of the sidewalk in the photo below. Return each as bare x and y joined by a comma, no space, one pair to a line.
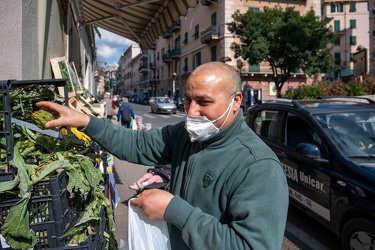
126,173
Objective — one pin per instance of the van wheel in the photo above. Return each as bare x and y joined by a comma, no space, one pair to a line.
358,234
152,111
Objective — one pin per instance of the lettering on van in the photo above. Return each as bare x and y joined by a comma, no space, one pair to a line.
301,177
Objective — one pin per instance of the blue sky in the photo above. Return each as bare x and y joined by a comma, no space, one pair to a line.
110,47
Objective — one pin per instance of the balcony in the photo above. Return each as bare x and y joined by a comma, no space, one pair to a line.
144,68
167,33
153,65
167,57
176,53
209,35
340,33
176,26
143,57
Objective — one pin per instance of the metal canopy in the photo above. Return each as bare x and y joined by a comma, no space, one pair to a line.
141,21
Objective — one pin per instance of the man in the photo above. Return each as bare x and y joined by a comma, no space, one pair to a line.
228,190
109,105
125,117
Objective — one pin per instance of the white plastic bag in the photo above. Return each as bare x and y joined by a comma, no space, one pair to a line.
146,234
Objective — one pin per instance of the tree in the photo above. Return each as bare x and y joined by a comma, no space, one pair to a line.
286,40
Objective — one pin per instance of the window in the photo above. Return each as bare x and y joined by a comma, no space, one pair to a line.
352,7
336,26
337,8
353,23
197,60
351,57
196,33
337,58
158,56
373,33
186,67
255,68
265,124
253,9
213,19
185,41
338,41
353,40
177,43
213,54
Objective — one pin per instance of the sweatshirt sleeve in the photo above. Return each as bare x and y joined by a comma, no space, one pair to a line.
147,147
257,213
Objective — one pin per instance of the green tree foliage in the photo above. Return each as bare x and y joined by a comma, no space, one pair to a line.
286,40
334,88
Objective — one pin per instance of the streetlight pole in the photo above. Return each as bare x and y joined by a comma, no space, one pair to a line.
174,84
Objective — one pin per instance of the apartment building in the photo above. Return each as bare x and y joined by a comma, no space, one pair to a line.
129,61
350,22
202,36
372,37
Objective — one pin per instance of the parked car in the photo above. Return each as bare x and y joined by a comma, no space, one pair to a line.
327,151
163,105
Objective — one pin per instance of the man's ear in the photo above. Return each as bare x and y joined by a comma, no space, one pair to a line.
237,101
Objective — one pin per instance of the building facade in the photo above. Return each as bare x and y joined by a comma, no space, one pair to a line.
129,61
372,37
350,22
202,36
37,31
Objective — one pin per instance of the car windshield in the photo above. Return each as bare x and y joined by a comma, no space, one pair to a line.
164,100
353,133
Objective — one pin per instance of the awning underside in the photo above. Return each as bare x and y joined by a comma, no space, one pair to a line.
141,21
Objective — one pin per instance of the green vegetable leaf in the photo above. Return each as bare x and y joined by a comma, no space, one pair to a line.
16,229
93,175
77,182
9,185
19,163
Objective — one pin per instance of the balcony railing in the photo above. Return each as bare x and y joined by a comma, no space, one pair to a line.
167,33
176,53
176,26
209,34
167,58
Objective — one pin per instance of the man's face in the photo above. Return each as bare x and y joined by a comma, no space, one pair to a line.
207,95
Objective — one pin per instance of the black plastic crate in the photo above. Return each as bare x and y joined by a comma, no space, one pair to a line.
6,87
52,212
95,241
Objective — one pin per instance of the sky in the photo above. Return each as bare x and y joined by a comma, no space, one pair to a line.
110,47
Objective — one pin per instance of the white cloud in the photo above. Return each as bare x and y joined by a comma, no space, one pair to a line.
110,46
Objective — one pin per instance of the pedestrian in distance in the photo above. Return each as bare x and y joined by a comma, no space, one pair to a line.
227,188
125,114
109,105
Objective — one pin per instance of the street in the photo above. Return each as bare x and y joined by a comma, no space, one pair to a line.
301,231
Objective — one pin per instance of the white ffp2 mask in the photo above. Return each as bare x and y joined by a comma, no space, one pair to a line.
200,127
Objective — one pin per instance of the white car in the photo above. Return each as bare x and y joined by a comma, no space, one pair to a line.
163,105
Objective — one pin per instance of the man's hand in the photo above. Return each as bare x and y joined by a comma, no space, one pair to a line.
154,202
67,116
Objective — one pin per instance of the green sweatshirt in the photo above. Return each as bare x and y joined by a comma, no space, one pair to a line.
229,190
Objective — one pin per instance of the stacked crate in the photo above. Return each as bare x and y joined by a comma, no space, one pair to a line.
52,209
